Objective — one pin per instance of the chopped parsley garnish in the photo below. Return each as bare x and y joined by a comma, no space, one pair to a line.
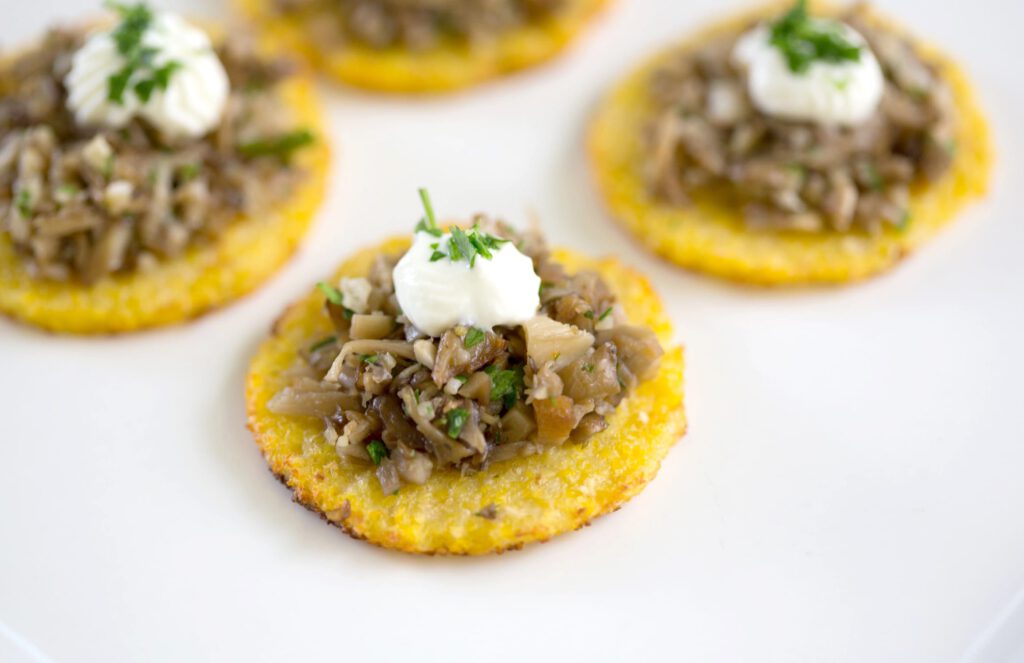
428,224
347,312
462,244
281,147
368,359
23,203
378,451
422,227
604,314
189,171
139,60
803,41
506,385
467,245
322,343
332,294
875,179
473,337
455,420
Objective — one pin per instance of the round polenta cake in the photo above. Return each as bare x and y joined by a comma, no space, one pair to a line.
206,275
444,67
709,234
503,506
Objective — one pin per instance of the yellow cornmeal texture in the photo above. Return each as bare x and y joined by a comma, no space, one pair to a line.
710,235
204,277
536,497
448,67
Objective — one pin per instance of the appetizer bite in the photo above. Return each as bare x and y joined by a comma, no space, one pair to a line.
149,172
469,391
786,147
422,45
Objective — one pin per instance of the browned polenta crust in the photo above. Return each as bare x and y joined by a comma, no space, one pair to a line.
445,68
536,497
710,236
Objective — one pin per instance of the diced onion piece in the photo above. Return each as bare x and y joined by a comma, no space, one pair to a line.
555,419
425,352
550,340
372,325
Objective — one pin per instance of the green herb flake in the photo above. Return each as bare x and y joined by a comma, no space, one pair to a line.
589,315
506,385
428,207
460,246
332,294
281,147
378,451
68,190
190,171
803,41
455,420
473,337
605,314
322,343
874,178
437,255
368,359
422,227
23,203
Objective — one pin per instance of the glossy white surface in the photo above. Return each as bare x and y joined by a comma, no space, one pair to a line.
850,488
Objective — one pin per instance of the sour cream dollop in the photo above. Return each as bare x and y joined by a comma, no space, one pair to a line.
196,93
840,93
435,296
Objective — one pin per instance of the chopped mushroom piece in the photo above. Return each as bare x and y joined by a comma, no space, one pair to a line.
550,341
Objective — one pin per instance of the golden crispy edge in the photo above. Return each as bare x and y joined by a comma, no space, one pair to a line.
204,278
711,238
537,497
445,68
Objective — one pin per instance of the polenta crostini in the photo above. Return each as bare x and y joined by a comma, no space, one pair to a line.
792,146
468,391
150,170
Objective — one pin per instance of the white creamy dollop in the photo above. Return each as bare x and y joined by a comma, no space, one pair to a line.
435,296
839,93
196,93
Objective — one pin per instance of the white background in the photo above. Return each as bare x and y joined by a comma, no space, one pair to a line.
850,488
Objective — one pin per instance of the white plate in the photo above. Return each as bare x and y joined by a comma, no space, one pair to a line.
850,489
